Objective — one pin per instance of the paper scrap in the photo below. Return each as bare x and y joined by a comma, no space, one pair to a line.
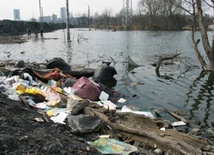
103,96
121,100
109,105
60,118
179,123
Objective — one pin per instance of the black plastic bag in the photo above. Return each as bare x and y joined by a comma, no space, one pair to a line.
83,123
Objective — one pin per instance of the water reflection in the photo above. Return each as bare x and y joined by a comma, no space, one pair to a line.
202,93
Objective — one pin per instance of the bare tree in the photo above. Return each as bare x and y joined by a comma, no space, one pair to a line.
160,8
209,49
106,16
170,7
198,14
157,9
151,7
161,15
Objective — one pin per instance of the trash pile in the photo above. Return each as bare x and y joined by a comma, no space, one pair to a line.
61,97
82,100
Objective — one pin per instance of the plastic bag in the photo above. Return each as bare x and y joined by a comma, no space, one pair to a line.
113,146
104,73
74,106
86,89
83,123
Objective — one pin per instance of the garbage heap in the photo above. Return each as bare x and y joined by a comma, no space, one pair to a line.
61,93
83,100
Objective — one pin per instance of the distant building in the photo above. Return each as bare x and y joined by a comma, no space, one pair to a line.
54,18
16,13
63,14
47,19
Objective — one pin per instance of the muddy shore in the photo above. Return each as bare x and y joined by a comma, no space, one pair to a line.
20,133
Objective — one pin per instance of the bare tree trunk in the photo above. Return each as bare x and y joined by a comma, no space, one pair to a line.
207,48
68,22
195,42
198,54
198,18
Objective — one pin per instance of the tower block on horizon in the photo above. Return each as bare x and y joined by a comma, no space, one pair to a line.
127,14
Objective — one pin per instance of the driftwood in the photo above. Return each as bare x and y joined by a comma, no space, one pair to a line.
162,59
87,72
180,118
147,131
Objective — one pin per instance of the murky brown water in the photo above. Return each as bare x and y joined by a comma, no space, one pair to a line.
186,89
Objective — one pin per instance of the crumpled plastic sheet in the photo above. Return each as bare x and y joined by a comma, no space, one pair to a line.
83,123
112,146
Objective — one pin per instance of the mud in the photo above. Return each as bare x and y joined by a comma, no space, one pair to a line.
20,133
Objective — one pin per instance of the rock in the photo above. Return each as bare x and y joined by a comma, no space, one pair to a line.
158,151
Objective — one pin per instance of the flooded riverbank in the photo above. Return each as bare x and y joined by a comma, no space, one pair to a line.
188,89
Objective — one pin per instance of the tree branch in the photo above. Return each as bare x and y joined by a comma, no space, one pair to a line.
162,59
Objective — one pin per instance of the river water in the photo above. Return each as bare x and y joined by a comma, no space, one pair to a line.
181,86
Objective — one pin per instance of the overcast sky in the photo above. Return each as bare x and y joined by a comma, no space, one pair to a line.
30,8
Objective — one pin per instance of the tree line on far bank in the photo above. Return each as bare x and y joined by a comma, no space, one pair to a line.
14,28
165,15
105,21
146,22
153,15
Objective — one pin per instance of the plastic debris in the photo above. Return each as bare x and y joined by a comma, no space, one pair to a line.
112,146
69,90
121,100
74,106
39,119
41,105
104,73
109,105
52,82
103,96
55,111
132,63
60,118
86,89
2,88
1,73
83,123
104,136
14,97
31,102
179,123
145,113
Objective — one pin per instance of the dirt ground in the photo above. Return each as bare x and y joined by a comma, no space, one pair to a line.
20,133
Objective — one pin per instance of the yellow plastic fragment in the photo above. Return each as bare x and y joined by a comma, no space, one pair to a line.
50,112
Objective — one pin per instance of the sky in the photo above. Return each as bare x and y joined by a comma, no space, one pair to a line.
30,8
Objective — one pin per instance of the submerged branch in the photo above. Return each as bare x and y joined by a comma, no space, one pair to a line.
162,59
